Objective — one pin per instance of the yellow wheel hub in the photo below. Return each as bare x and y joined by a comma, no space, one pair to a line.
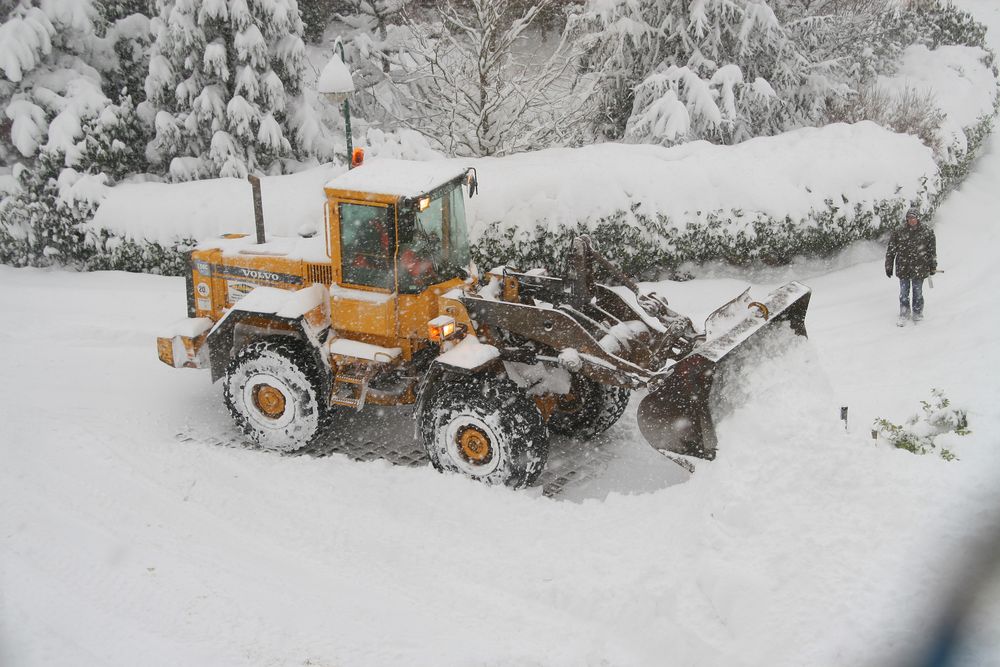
269,400
475,445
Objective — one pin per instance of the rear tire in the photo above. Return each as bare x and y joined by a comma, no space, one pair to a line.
272,391
486,429
590,409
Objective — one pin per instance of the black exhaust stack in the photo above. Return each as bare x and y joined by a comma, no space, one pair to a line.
258,207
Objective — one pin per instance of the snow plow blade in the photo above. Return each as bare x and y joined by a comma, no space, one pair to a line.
675,417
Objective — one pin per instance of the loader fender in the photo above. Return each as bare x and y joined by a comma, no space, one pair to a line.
269,311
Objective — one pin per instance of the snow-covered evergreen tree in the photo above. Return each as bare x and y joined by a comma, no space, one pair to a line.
128,22
222,86
67,136
316,14
674,70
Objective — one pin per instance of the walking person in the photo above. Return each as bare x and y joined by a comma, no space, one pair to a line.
913,251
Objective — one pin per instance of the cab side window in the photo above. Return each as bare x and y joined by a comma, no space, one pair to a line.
365,245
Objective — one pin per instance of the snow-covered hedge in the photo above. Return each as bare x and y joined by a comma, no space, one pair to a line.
810,191
767,199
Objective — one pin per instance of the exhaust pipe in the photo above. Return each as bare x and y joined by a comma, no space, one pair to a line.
258,207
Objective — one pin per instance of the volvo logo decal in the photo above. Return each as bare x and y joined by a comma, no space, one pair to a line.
258,274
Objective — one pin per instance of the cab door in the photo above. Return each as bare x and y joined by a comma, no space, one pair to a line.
362,252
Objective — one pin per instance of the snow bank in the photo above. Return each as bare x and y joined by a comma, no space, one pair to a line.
791,175
164,213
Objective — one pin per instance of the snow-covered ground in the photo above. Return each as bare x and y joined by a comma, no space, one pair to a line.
801,544
128,535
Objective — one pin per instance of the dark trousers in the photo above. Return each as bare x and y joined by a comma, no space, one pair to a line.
906,285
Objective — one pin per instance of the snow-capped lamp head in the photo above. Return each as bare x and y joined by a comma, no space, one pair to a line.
335,81
912,217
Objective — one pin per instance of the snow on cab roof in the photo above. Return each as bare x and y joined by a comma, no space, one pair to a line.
403,178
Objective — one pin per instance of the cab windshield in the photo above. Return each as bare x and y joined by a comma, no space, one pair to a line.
433,240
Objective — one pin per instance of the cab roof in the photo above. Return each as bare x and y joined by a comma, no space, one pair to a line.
400,178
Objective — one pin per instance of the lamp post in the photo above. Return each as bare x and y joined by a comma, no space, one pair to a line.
336,84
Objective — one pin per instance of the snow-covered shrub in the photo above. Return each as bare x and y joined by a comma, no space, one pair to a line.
636,249
938,22
908,111
953,173
654,246
947,95
114,253
920,432
40,223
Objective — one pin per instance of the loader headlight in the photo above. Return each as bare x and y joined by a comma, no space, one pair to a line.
441,328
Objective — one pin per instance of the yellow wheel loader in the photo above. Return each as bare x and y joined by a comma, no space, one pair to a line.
385,308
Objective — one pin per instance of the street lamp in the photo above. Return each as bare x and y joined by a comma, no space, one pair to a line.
335,84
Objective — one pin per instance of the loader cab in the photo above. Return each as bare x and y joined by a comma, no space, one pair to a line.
397,239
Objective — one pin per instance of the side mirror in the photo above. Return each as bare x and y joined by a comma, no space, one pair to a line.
472,180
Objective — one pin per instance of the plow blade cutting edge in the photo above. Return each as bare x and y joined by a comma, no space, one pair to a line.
675,417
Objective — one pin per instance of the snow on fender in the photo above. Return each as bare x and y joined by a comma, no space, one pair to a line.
469,355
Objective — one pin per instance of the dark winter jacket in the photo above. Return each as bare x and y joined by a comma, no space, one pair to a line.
913,250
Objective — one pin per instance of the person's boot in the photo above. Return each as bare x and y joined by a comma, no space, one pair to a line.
917,316
904,317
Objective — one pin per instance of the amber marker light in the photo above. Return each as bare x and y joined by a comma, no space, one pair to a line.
441,328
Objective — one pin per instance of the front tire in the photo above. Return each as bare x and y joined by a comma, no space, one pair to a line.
272,391
591,408
488,430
